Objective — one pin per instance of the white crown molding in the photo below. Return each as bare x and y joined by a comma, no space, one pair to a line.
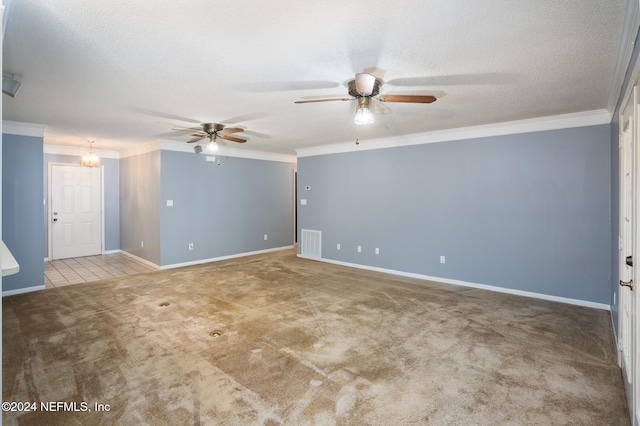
565,121
625,51
139,149
227,151
78,151
23,129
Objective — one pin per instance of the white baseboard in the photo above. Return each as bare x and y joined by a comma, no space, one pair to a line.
139,259
567,300
231,256
22,290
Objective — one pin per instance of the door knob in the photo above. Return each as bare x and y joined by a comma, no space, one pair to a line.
627,284
629,260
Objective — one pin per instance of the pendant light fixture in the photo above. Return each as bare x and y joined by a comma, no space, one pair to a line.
90,159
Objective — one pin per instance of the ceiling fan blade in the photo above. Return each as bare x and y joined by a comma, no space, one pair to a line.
196,139
186,129
416,99
258,134
232,130
232,138
365,83
306,101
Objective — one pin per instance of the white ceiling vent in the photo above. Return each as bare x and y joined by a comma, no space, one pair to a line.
311,243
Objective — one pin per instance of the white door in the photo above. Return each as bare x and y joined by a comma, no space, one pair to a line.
627,329
75,211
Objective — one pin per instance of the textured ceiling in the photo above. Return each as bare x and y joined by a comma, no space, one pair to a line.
123,72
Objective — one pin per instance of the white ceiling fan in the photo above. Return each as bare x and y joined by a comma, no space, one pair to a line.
365,87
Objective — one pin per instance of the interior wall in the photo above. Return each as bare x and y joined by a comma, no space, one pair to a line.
22,209
111,207
140,206
527,212
223,209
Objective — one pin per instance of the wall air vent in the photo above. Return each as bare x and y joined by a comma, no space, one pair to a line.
311,244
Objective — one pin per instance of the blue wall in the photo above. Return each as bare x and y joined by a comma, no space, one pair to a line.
111,207
527,212
22,209
223,209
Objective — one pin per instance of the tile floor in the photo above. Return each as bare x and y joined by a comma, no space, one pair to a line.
58,273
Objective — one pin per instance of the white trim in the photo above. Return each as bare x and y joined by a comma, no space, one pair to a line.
23,129
615,338
231,256
141,260
22,290
112,251
578,302
565,121
625,52
77,151
139,149
228,151
167,145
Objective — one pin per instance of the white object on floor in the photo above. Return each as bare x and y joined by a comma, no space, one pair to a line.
9,264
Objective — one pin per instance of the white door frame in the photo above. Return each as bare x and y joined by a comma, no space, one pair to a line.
50,213
629,327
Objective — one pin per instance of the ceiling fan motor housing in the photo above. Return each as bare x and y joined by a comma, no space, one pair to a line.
212,127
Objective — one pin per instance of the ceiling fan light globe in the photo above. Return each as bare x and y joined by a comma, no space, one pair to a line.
363,116
212,147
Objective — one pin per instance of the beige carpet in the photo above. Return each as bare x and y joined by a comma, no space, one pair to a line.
273,339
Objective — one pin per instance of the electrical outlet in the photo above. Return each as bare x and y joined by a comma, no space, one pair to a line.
338,246
141,243
377,250
265,237
190,246
442,259
359,249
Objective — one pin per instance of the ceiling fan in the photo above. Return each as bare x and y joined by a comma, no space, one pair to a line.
213,131
366,87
